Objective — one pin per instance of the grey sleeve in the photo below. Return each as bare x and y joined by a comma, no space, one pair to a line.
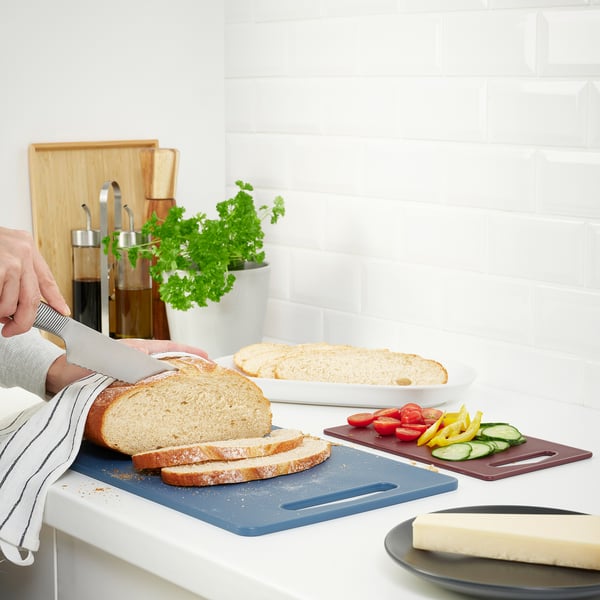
25,360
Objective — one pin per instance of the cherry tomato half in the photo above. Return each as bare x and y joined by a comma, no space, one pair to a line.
411,415
410,406
404,434
386,425
420,427
360,419
431,414
387,412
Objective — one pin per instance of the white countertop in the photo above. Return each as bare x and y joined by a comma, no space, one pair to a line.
341,558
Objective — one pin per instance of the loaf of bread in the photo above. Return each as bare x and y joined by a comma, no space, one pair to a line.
201,401
280,440
338,363
310,453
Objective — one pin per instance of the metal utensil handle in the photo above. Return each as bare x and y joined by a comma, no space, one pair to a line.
49,320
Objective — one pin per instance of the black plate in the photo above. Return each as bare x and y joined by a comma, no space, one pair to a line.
490,578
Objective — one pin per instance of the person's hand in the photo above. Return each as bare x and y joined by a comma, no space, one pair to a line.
25,278
61,373
158,346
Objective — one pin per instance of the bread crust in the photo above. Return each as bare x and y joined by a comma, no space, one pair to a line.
280,440
312,452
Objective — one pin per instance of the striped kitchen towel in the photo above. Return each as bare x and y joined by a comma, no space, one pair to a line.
36,448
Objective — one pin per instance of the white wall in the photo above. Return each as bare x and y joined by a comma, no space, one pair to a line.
83,70
441,164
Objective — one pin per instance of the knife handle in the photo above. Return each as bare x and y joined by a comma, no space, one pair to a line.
49,319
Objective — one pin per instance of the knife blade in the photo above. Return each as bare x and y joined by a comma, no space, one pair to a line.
91,349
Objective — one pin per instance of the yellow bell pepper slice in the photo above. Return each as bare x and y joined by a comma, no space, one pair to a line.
430,431
460,424
468,434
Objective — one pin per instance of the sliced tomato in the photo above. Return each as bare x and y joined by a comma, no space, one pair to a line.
361,419
431,414
386,425
410,406
420,427
387,412
411,415
404,434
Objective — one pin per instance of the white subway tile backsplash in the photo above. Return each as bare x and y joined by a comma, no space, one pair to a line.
593,258
536,249
487,307
545,374
373,228
261,160
405,170
489,43
287,105
304,222
441,236
240,105
441,108
238,11
274,10
594,118
323,47
345,328
324,164
568,321
256,49
569,183
439,5
495,177
296,323
591,395
570,42
337,8
326,280
358,106
399,45
537,112
402,292
440,161
534,3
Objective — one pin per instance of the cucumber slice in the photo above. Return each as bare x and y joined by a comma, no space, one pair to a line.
499,445
480,448
456,452
501,431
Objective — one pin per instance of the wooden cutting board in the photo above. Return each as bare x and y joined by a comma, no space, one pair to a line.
63,176
510,462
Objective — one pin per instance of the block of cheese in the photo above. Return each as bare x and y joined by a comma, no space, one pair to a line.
551,539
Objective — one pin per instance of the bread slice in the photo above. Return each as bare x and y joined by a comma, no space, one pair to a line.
345,364
200,402
280,440
256,359
310,453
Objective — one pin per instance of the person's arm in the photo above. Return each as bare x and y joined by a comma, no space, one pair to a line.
25,361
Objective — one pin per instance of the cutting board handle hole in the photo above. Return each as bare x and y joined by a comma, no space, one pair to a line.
341,496
526,460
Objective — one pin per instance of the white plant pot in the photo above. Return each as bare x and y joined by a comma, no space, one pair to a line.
222,328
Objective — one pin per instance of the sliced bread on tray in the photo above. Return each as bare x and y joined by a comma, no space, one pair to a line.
310,453
339,363
280,440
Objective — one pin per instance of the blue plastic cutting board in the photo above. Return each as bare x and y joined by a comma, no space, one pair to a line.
349,482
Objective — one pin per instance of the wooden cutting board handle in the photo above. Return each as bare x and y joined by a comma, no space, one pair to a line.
159,169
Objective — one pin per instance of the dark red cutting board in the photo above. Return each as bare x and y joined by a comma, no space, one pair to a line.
496,466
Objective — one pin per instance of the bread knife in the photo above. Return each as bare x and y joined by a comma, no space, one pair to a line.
91,349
